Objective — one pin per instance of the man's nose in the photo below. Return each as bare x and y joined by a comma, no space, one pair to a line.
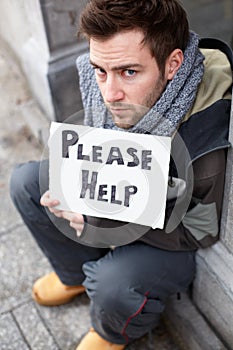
113,90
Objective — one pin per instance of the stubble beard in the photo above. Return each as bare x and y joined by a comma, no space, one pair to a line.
136,112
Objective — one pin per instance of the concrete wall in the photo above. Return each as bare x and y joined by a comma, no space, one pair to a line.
213,287
22,27
42,33
211,18
203,320
61,22
212,292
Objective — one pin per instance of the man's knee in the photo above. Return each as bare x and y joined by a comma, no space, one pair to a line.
107,287
24,184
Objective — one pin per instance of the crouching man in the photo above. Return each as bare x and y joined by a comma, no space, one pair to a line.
141,54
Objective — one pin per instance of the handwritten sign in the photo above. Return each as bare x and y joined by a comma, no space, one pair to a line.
109,174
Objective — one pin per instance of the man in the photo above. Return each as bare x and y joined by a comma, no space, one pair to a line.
142,57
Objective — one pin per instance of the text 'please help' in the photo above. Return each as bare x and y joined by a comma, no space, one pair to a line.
110,174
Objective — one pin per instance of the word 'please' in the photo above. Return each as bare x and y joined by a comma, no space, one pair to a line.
71,138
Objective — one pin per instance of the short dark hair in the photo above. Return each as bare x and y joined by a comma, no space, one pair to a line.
163,22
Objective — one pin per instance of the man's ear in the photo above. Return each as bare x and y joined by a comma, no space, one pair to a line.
173,63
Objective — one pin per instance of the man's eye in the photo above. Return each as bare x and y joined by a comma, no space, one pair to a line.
100,71
129,72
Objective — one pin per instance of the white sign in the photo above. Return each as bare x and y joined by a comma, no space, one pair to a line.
109,174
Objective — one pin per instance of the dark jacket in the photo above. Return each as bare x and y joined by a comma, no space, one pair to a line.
198,160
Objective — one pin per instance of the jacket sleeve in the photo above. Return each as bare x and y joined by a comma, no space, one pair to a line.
197,227
202,220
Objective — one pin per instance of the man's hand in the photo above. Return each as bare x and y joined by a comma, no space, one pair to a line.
76,220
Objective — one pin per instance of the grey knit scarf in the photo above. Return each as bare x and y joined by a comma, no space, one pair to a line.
165,116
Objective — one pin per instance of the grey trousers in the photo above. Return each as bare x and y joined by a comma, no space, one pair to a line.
127,286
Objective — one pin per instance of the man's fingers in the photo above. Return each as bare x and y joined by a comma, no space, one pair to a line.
46,201
77,227
76,220
73,217
58,213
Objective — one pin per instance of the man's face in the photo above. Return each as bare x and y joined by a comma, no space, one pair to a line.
127,75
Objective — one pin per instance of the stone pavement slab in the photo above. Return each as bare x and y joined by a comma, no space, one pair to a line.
159,339
34,329
17,143
10,335
67,323
21,262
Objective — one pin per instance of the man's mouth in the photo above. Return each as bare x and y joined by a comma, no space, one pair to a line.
117,110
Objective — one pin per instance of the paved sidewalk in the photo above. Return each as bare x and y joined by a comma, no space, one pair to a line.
23,324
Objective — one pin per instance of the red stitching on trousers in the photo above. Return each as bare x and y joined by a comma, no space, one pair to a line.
132,316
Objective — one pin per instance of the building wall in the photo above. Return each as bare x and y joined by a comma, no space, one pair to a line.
22,27
61,22
213,286
211,18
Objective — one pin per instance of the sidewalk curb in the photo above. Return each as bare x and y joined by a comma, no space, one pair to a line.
188,327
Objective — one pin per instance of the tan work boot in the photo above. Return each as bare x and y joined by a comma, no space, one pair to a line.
50,291
93,341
